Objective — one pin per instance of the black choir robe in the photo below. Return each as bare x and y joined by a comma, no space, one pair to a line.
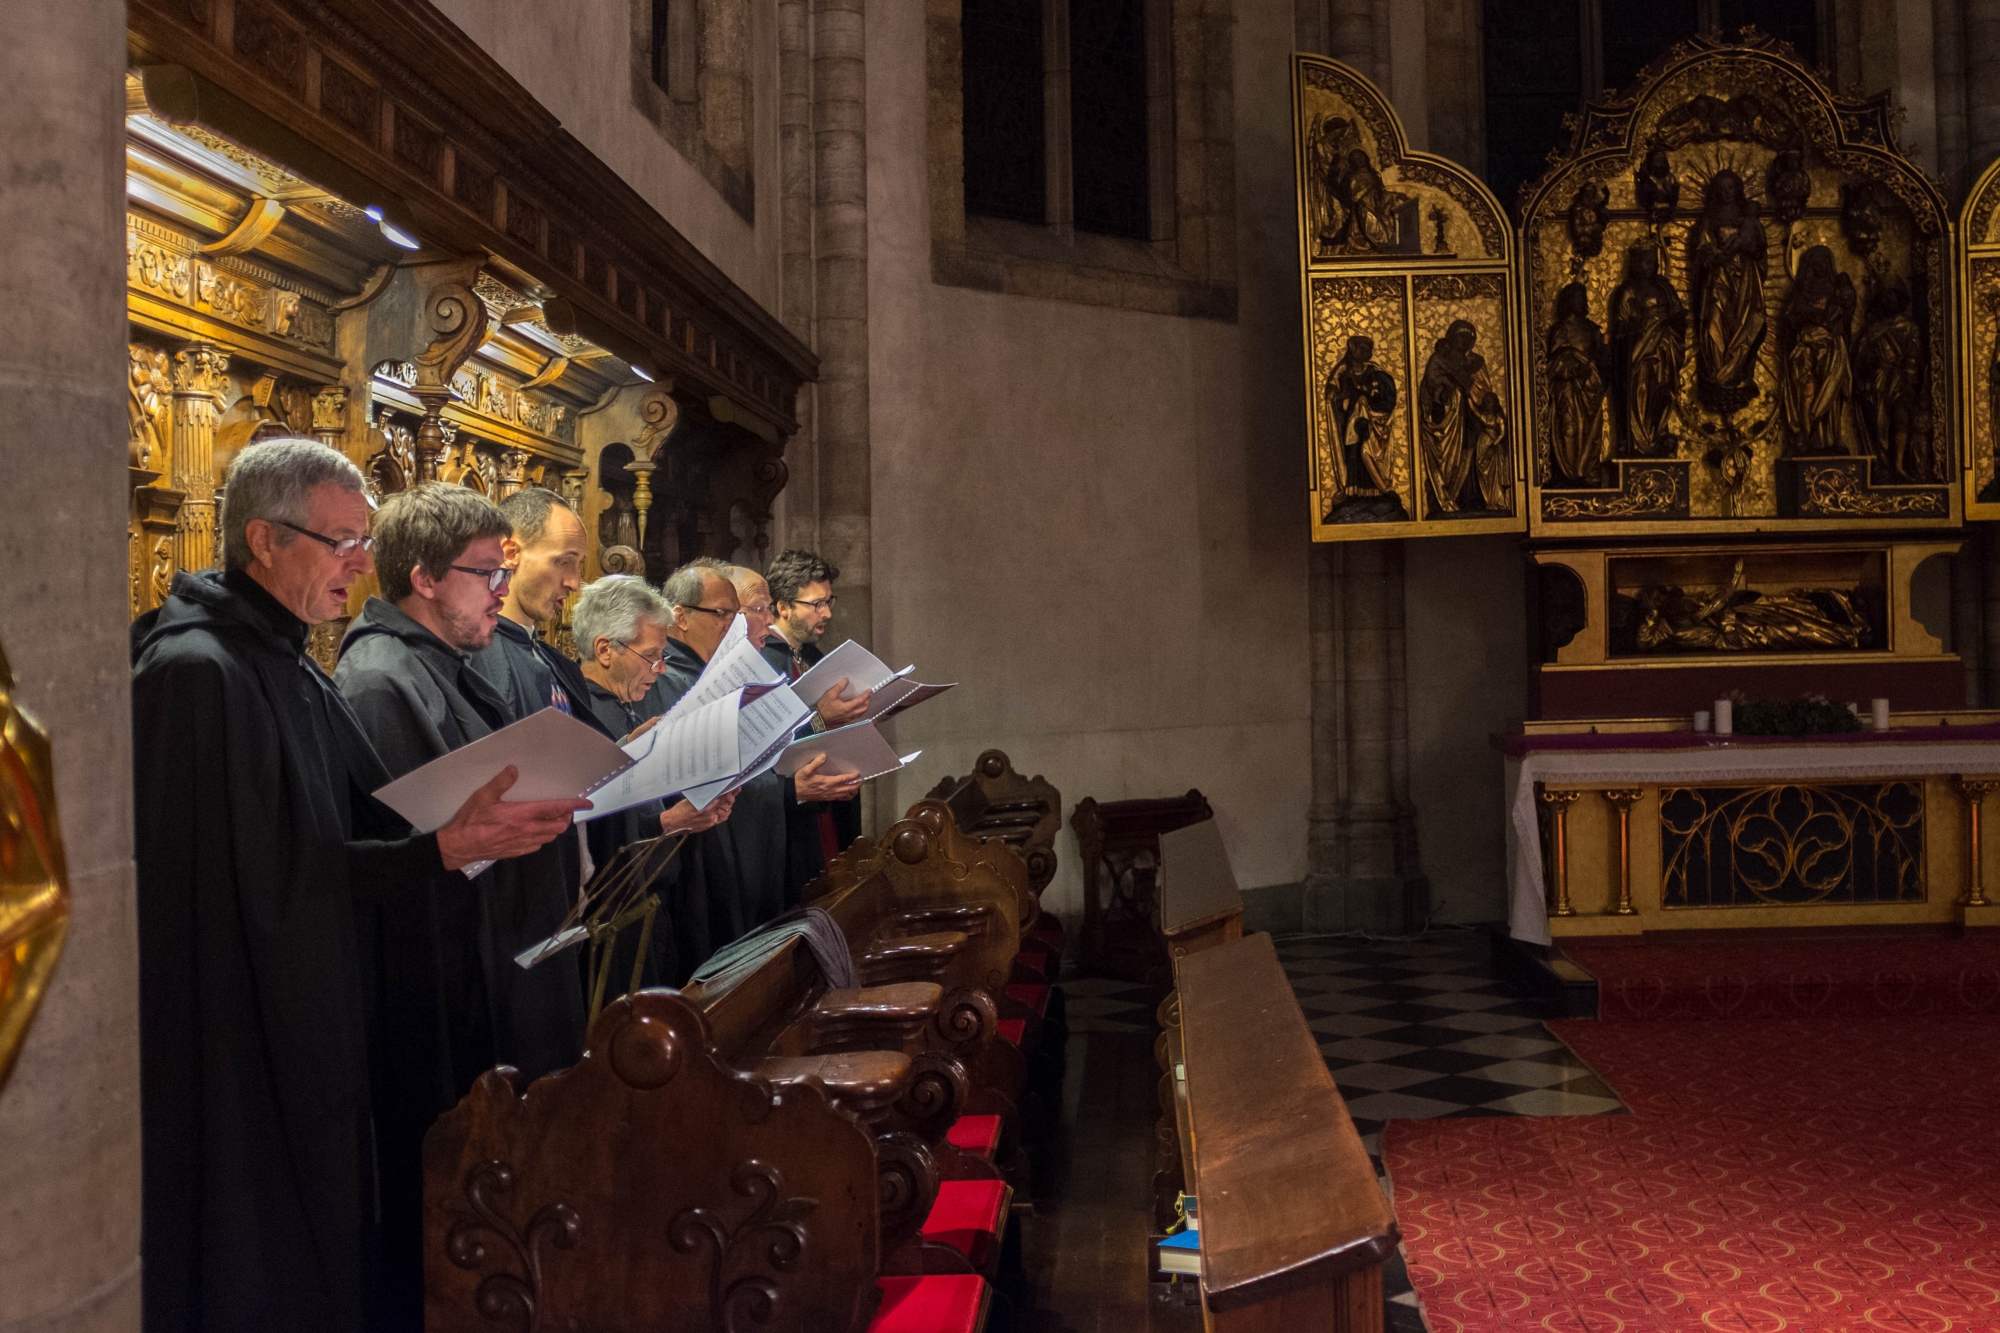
266,873
419,698
814,825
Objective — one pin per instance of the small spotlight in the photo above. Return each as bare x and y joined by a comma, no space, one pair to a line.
392,233
640,371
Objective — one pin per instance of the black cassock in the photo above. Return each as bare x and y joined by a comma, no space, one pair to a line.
815,826
265,870
418,698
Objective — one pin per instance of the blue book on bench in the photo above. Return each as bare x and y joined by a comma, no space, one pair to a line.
1181,1253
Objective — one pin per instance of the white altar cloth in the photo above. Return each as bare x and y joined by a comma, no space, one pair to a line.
1714,759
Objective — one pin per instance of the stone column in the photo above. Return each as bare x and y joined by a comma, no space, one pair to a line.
1455,81
69,1115
198,380
1981,19
1361,832
796,511
1948,67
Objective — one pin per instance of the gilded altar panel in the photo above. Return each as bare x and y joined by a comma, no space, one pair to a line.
1408,292
1738,310
1979,344
1792,844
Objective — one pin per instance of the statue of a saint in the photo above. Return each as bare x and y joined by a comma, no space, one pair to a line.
1369,225
1817,382
1726,282
1648,342
1463,428
1589,215
1888,386
1574,364
1655,187
1360,396
1327,151
1737,618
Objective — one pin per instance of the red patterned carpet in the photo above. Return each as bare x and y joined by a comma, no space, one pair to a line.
1773,1177
1793,978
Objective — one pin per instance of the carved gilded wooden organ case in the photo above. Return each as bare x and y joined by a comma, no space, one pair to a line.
1413,367
1734,323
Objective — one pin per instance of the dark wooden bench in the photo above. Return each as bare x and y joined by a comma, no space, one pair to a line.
1119,846
653,1185
993,801
1294,1226
1200,905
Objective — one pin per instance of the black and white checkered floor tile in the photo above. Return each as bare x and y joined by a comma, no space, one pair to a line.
1425,1028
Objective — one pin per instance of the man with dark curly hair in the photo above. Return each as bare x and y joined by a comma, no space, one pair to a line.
802,600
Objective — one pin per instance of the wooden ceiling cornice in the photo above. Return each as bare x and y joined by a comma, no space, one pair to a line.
469,159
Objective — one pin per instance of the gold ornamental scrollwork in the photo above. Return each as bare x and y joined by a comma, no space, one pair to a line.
1648,490
1837,490
1792,844
34,878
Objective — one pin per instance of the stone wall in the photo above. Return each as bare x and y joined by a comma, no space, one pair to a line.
69,1117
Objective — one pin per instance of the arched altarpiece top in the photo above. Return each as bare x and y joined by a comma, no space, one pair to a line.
1408,288
1728,309
1979,345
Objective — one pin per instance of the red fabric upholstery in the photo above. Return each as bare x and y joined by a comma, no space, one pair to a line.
969,1216
946,1303
1036,998
1013,1030
976,1134
1034,964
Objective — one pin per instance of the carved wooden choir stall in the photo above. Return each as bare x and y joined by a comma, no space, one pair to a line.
1712,378
346,222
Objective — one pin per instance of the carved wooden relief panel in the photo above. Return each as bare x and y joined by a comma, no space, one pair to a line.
1978,350
1413,401
1737,310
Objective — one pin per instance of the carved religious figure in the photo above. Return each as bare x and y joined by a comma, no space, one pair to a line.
1861,205
1737,618
1574,364
1888,386
1790,185
1353,212
1726,283
1371,207
148,401
34,877
1360,396
1658,193
1463,428
1648,342
1589,215
1816,382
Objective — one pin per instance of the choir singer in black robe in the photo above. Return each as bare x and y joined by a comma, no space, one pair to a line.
802,600
406,669
621,628
262,861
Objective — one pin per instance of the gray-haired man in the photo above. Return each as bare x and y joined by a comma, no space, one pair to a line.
268,876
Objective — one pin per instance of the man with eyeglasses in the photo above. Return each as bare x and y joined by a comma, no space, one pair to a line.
406,669
286,1071
621,628
802,601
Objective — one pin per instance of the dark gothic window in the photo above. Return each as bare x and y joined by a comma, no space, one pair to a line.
659,51
1107,54
1005,171
1544,57
1534,75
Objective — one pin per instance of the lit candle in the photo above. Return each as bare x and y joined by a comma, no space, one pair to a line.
1881,707
1701,719
1725,717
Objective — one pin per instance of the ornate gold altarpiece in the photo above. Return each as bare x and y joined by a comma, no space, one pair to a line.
1744,374
345,221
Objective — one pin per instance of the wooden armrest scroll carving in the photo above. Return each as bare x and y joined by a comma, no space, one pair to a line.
865,1082
910,957
874,1017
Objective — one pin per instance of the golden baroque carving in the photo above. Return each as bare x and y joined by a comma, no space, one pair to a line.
148,401
1837,490
34,878
1648,491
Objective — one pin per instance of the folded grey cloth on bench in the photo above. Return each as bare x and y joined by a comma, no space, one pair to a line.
730,964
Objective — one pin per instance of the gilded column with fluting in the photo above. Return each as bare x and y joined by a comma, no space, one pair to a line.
199,375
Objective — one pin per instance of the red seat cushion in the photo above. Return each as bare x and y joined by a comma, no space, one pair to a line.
1013,1030
969,1216
1034,964
1035,998
976,1134
945,1303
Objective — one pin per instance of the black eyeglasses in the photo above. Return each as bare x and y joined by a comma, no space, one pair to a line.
496,579
710,610
342,547
819,604
657,662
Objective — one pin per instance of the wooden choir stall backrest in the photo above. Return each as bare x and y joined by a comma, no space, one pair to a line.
1294,1227
993,801
650,1186
1119,843
1200,905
